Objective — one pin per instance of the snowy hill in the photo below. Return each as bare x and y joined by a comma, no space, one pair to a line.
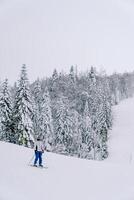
70,178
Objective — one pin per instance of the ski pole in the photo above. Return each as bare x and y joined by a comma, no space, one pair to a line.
31,160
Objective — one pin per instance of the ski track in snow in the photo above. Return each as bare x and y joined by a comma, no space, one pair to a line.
69,178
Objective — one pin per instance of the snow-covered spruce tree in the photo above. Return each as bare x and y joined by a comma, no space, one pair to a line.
62,84
93,109
126,85
72,74
114,88
58,110
71,86
86,133
23,111
6,133
71,137
75,145
62,127
13,126
37,108
101,130
105,121
53,84
107,101
101,117
45,122
96,114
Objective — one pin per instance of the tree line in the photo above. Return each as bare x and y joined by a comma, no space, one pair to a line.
71,112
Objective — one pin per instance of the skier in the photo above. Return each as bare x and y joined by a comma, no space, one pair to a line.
39,149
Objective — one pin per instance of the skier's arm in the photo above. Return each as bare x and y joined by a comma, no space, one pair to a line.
35,146
42,148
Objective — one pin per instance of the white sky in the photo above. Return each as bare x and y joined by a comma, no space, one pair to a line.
48,34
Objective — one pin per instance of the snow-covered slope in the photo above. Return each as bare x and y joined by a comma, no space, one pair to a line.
121,141
70,178
65,179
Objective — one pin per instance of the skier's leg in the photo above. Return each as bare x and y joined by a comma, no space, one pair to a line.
40,158
36,157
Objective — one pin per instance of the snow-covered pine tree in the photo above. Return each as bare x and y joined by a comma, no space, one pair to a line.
23,111
37,108
101,130
5,113
93,108
107,102
71,137
62,125
105,117
114,88
71,90
86,132
62,86
92,76
127,85
72,74
45,119
101,118
57,107
53,84
75,122
13,125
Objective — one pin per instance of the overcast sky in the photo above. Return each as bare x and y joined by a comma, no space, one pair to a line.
48,34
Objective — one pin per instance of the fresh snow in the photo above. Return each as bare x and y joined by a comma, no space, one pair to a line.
121,139
69,178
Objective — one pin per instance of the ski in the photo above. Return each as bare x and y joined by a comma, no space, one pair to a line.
43,167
